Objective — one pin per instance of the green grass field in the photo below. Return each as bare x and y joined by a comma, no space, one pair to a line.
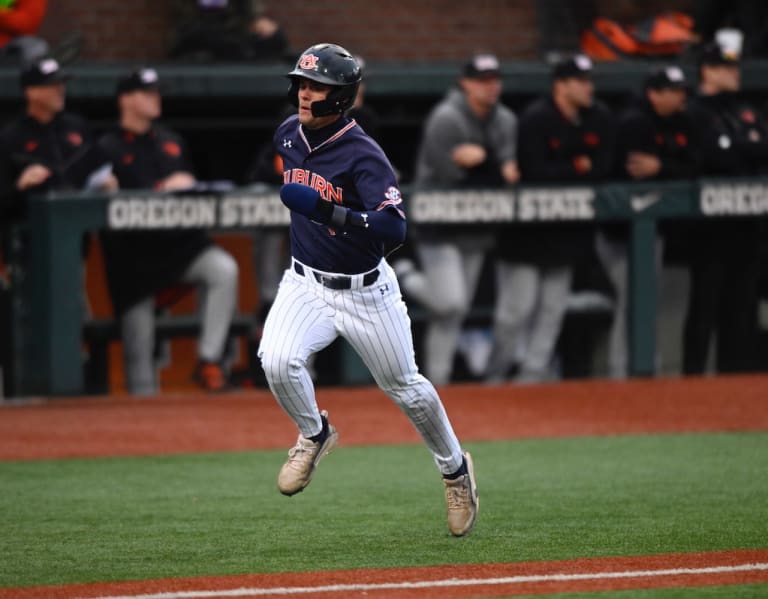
110,519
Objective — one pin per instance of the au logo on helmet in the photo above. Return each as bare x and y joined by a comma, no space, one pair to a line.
308,61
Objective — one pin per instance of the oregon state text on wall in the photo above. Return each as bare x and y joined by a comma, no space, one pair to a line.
195,212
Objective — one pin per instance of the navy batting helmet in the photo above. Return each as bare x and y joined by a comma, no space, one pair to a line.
332,65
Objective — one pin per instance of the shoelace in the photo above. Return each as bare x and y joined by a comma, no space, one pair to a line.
298,451
458,495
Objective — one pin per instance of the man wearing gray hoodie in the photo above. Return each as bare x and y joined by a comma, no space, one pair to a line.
469,142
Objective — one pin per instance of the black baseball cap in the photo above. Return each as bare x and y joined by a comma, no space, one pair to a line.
669,77
140,79
578,66
45,71
482,66
715,54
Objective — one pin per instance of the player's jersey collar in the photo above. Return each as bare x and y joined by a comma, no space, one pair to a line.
319,138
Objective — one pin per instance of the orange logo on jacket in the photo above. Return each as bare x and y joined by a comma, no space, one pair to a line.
172,148
74,138
592,139
31,145
748,116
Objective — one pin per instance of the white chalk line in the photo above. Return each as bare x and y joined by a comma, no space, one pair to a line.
449,582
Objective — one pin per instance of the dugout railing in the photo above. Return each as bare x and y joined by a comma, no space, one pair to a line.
47,292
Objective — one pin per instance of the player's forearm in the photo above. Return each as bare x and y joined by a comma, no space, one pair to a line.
384,225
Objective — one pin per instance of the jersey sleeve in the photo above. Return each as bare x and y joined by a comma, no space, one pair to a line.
442,133
636,134
87,160
10,198
604,155
376,183
506,135
536,161
174,154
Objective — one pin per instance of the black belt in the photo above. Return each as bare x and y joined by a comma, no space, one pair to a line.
338,281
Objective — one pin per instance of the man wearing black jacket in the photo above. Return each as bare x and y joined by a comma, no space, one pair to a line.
566,137
654,142
143,265
47,148
733,141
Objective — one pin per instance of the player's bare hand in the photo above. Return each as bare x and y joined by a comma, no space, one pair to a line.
176,181
641,165
33,175
468,155
110,183
510,172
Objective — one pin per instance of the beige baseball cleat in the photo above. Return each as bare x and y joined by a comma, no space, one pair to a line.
463,500
303,458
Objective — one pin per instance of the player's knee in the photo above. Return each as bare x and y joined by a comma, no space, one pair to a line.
513,316
421,406
227,270
413,392
452,307
280,369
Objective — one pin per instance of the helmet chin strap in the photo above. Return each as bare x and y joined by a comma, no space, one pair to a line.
324,108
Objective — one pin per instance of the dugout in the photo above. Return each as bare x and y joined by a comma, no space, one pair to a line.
226,111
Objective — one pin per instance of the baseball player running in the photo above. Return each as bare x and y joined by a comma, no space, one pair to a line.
346,217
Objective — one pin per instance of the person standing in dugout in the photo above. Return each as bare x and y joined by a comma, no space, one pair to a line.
732,138
566,137
143,265
48,148
654,143
346,217
468,143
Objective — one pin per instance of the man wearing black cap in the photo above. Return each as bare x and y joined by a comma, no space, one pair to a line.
566,137
655,133
142,264
468,142
655,142
732,140
47,148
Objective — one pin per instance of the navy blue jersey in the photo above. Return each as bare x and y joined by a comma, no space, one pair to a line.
347,167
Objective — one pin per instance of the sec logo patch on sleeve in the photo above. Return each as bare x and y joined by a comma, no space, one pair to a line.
393,194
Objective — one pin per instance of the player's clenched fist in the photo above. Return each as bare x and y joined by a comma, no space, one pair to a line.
33,175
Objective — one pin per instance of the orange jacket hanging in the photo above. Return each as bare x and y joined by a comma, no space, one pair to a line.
22,17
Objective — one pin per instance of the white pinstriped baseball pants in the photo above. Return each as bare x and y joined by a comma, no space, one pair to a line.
307,317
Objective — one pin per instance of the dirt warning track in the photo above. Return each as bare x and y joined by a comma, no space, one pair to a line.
60,428
444,582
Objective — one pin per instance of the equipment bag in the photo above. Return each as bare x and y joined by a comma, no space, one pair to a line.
661,36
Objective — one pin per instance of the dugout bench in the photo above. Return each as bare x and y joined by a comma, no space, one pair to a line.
48,323
98,333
